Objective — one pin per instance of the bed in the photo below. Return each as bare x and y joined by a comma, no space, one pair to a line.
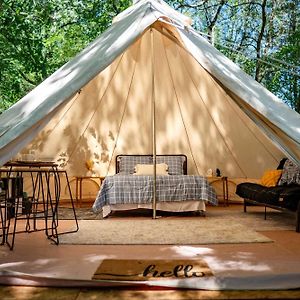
132,186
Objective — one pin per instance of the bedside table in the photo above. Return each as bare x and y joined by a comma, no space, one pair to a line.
224,180
78,182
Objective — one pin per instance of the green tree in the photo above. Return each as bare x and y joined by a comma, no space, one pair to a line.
37,37
261,36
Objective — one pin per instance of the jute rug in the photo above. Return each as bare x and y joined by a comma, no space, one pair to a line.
66,213
253,219
164,231
151,269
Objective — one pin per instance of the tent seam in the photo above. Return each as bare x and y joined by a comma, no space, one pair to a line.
230,151
97,107
122,118
178,103
60,119
260,142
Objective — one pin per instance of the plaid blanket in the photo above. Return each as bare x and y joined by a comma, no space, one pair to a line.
133,189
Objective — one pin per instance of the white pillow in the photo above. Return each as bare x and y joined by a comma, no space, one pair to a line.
143,169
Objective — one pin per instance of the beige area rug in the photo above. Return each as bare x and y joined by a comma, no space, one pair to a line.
151,269
254,218
164,231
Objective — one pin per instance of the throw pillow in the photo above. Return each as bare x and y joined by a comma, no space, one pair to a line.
175,163
271,177
128,162
290,174
142,169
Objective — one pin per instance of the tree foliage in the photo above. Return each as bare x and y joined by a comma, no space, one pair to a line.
39,36
262,36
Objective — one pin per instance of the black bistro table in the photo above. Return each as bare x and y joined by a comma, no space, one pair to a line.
40,202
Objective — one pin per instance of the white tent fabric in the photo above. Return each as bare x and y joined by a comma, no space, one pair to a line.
98,105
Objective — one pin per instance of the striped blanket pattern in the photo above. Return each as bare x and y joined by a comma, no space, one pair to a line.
138,189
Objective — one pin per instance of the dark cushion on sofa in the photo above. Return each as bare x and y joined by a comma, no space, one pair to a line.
290,197
282,196
260,193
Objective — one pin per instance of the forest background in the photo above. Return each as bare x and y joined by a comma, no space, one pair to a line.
39,36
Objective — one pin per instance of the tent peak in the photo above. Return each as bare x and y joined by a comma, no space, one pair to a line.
160,8
137,1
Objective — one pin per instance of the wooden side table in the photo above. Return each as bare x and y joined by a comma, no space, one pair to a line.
224,180
79,180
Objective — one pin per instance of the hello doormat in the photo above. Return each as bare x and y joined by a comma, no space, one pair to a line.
144,270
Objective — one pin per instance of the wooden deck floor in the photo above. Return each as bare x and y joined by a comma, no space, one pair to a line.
35,255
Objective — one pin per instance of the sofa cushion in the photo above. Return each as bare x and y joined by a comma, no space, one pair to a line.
290,197
259,193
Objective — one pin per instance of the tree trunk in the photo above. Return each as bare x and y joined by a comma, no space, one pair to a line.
259,40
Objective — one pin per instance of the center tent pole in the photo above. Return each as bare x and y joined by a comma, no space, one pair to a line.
153,129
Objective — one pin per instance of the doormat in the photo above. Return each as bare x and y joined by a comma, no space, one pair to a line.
144,270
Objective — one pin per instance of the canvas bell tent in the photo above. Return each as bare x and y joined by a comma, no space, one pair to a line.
151,67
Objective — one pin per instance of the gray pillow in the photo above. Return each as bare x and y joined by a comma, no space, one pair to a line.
175,163
128,163
290,174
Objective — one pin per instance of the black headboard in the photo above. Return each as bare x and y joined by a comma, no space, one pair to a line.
118,158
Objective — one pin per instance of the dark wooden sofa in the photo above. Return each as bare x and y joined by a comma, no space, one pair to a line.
284,197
